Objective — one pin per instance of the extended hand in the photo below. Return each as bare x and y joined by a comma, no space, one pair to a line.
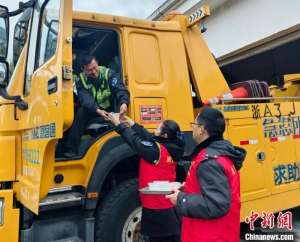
128,121
114,118
123,109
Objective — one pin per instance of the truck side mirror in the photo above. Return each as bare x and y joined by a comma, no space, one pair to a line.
4,31
3,73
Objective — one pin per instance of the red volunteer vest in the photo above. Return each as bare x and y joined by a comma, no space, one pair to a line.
223,229
164,170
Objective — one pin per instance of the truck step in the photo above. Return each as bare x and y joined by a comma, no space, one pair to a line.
61,200
73,239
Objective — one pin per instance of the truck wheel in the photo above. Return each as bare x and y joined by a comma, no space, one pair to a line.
118,218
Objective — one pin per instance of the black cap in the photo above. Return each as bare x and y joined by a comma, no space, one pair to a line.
213,121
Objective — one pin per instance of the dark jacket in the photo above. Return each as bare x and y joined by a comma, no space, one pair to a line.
120,93
155,222
144,143
214,201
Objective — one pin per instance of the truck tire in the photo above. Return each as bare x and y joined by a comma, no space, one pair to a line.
119,215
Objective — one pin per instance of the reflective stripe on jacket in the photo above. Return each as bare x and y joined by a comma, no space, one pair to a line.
103,95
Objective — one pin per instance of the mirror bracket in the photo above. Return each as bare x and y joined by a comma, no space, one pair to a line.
19,102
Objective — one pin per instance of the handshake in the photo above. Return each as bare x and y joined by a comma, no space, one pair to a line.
116,118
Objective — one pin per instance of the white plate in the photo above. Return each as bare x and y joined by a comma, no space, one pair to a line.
146,190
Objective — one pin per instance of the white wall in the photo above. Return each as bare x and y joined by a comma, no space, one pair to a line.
187,5
235,24
238,23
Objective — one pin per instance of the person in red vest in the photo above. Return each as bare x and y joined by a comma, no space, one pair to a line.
158,156
210,203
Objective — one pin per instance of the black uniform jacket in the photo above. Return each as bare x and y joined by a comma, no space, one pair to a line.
119,92
155,222
214,200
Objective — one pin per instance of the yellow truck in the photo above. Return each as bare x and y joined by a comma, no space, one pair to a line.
169,72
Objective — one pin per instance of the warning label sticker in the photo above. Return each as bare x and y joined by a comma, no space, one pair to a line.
151,114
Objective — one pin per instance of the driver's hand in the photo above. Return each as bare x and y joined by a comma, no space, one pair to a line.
114,118
103,113
123,110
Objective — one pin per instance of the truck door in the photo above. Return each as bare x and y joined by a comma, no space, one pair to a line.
255,178
156,68
48,92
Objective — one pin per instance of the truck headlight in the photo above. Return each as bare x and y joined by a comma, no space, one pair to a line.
1,211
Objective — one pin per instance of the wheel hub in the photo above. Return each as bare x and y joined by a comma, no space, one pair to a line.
132,226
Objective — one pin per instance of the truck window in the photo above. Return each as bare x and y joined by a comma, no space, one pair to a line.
32,49
103,43
41,50
21,34
48,32
3,38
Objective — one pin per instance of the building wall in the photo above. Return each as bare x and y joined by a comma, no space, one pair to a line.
237,26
